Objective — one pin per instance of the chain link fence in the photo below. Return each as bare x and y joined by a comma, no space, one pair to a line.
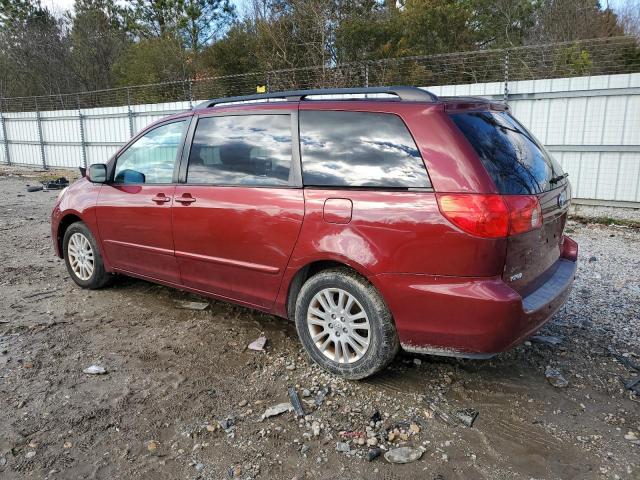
560,60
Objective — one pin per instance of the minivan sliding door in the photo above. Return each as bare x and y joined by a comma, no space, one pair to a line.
237,217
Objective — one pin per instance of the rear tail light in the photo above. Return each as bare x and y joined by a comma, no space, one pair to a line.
569,248
525,213
491,216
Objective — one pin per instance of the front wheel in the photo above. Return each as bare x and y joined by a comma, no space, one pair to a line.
344,325
82,257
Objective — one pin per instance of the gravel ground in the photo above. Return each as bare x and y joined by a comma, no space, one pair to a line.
182,396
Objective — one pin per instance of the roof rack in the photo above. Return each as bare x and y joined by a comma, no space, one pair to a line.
405,94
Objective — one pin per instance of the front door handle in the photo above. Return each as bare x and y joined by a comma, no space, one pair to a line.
185,199
161,198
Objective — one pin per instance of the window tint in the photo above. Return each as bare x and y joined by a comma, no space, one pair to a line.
241,150
514,159
359,149
152,157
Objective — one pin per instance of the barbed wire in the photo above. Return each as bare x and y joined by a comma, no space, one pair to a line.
602,56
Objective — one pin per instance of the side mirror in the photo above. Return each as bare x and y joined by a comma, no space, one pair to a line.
98,173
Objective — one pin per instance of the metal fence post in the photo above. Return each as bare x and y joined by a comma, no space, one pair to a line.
82,139
5,140
40,138
130,113
366,75
506,77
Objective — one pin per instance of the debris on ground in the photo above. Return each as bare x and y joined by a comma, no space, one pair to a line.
373,454
152,446
186,305
546,340
95,370
467,416
322,393
632,437
277,410
403,455
295,402
343,447
633,385
258,344
441,414
57,184
555,378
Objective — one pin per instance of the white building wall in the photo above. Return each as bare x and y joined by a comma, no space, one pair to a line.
590,124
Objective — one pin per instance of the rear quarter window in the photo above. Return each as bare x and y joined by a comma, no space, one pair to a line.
515,160
359,149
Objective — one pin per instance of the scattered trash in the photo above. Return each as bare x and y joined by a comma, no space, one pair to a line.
3,461
227,423
321,396
277,410
152,446
199,466
592,259
57,184
343,447
94,370
376,417
403,455
373,454
295,402
546,339
555,378
258,344
624,360
191,305
30,454
633,385
467,416
67,445
632,437
441,414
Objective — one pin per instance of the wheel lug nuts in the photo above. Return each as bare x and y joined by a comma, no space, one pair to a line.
331,325
337,334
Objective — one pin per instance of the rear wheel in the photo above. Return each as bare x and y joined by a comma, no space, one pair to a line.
82,257
344,325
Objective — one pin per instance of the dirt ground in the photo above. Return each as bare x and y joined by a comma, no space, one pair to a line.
183,397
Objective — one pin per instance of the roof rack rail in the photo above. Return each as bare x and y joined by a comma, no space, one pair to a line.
405,94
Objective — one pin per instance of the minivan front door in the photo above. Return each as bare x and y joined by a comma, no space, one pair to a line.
134,210
237,217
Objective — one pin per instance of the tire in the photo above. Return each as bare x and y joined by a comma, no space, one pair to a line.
79,238
317,328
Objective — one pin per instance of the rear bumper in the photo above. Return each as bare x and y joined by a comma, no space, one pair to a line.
470,317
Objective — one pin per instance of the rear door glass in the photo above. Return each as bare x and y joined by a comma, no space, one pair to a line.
359,149
253,150
514,159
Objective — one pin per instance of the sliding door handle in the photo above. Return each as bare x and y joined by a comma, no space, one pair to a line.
185,199
161,198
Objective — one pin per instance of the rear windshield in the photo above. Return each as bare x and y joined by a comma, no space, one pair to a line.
514,159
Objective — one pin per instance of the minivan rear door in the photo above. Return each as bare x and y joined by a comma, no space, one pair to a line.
519,165
238,213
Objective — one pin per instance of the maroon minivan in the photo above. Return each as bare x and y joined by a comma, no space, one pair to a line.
375,218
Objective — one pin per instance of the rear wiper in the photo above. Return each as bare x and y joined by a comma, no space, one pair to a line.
559,178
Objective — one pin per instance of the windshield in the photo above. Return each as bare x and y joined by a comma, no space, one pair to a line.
514,159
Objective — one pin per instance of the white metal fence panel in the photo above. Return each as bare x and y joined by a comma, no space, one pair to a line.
590,124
